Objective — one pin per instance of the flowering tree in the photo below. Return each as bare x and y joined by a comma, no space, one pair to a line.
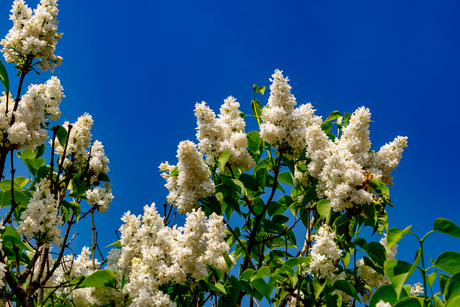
246,196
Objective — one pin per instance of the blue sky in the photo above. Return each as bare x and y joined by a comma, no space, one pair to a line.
139,67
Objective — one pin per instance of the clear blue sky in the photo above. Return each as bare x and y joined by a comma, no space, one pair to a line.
139,67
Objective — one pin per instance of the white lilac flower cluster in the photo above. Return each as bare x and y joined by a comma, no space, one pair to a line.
33,36
69,269
324,253
217,135
284,125
382,303
192,181
100,197
41,220
370,277
38,105
154,254
340,166
98,164
416,289
79,140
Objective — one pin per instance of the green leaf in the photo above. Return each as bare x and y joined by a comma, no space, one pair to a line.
318,287
443,281
335,114
61,134
228,261
10,236
258,89
256,108
396,234
222,161
246,275
447,227
448,262
19,198
101,278
453,289
324,209
385,293
377,252
20,181
430,278
262,272
408,302
286,178
346,287
116,243
4,78
439,303
260,285
39,151
74,206
371,264
249,182
454,302
399,271
262,176
105,178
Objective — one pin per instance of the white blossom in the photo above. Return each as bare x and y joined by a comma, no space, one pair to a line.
282,124
79,141
226,132
154,254
41,220
33,36
382,303
192,181
324,253
100,197
416,289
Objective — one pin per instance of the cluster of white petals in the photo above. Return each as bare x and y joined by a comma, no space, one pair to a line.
340,166
37,106
34,35
100,197
41,220
416,289
387,159
98,164
192,182
79,141
370,277
154,254
382,303
324,253
225,132
69,269
284,125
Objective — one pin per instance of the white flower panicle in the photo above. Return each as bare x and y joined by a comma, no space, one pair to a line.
416,289
41,220
33,36
282,124
370,277
382,303
192,181
387,159
37,106
226,132
100,197
324,253
79,140
98,163
341,166
154,254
